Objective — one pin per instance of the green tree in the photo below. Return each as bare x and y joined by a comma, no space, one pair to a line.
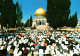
58,12
30,21
75,19
19,14
1,2
69,22
21,24
72,21
27,23
8,13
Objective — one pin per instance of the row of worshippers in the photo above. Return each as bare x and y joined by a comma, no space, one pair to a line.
56,44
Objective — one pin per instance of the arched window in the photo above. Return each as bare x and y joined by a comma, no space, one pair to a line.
36,21
39,22
45,21
42,22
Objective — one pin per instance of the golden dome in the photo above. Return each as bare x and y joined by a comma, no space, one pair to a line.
40,11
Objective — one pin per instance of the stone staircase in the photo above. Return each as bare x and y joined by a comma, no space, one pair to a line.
43,27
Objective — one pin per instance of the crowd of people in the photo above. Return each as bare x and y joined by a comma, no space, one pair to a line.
50,43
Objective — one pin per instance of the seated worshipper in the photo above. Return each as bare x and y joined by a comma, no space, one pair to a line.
37,40
10,51
21,45
61,55
59,46
47,52
31,44
35,44
77,46
46,43
57,52
41,45
22,35
70,47
30,40
17,37
52,52
32,49
20,53
66,43
12,46
44,47
79,54
70,41
75,55
29,52
71,52
24,51
4,50
16,51
35,53
52,42
63,42
8,55
41,53
76,51
36,47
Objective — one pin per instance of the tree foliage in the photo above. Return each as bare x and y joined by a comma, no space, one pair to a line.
27,23
10,13
58,12
30,21
19,14
1,2
72,21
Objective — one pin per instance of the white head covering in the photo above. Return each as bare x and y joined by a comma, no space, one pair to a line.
65,54
15,51
66,42
52,48
32,48
0,42
19,53
71,52
8,47
76,51
23,48
48,47
20,41
55,55
61,55
57,52
46,51
41,51
60,42
52,52
2,47
28,48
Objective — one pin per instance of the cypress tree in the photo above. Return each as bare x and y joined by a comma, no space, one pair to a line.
9,13
72,21
19,14
30,21
58,12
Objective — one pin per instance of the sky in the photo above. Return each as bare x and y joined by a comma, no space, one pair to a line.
30,6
